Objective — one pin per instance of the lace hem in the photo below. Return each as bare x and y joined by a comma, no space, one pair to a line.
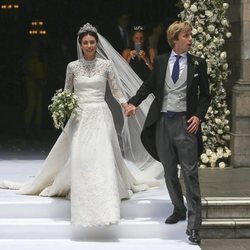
95,224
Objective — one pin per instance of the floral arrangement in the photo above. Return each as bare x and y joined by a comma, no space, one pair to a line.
63,104
210,29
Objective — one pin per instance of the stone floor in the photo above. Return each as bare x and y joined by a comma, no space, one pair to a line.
228,182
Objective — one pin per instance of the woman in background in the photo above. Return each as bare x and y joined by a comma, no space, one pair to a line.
139,56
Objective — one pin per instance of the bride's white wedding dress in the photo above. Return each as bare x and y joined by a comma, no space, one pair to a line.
86,163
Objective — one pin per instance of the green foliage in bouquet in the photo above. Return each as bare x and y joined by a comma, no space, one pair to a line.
63,104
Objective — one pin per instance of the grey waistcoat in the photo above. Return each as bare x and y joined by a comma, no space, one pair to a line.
175,93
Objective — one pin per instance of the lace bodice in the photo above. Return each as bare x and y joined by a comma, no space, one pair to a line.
92,76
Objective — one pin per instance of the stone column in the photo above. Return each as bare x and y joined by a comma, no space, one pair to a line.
240,108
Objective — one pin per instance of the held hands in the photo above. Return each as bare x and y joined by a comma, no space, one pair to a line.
129,109
193,122
193,125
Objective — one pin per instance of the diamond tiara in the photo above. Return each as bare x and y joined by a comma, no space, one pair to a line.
87,27
138,28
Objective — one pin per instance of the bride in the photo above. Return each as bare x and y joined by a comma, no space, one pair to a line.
86,163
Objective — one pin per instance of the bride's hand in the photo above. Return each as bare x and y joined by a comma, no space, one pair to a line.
125,106
130,110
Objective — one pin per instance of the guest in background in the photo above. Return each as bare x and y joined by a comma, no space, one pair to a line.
117,34
163,45
139,56
156,30
34,76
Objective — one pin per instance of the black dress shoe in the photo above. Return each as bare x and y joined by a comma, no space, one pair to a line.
194,237
175,217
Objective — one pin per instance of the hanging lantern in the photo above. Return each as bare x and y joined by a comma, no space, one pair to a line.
37,28
10,5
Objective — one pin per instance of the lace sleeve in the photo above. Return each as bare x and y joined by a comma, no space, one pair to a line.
115,90
69,78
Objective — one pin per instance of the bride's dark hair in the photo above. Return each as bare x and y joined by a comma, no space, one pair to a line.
88,32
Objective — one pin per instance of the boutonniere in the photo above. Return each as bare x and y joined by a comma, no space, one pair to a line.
195,62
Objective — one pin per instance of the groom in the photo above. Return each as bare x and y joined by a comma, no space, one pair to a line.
172,130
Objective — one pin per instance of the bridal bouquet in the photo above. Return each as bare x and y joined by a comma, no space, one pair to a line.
63,104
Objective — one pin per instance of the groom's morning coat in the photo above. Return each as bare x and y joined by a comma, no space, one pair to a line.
198,97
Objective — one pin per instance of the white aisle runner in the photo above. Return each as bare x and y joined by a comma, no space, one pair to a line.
42,223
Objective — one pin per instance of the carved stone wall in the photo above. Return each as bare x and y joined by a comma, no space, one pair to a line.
239,60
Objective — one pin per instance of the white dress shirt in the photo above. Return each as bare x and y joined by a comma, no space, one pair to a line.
182,61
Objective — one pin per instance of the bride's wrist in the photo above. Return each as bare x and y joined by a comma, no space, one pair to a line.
124,105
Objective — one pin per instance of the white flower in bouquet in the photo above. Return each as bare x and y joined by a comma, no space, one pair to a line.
223,55
202,166
70,106
213,19
209,152
204,138
213,158
228,34
222,41
200,46
63,104
225,6
225,23
218,121
216,40
225,66
222,165
208,37
213,165
220,131
186,5
193,8
211,28
220,155
204,158
208,13
200,29
219,150
226,137
228,150
194,31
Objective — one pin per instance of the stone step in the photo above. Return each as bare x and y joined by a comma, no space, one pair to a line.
225,228
44,207
141,205
225,207
47,228
116,244
58,208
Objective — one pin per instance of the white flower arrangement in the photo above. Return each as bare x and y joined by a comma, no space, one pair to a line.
63,104
210,30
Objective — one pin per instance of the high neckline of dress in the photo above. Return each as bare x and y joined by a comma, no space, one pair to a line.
88,61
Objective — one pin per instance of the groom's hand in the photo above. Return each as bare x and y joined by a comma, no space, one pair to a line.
130,110
193,125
